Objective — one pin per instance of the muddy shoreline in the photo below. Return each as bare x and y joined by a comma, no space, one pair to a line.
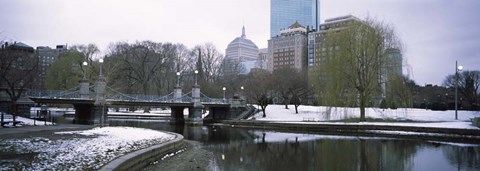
193,158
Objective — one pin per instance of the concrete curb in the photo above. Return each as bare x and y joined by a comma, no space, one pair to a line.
137,160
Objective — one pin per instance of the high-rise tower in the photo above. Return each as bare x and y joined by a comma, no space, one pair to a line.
285,12
240,55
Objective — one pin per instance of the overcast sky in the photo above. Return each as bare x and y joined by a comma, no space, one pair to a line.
435,33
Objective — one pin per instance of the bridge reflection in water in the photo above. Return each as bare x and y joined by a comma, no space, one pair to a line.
250,149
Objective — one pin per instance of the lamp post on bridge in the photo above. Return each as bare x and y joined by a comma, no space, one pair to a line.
196,73
101,66
178,79
84,84
177,92
85,70
195,113
100,113
224,93
241,90
457,69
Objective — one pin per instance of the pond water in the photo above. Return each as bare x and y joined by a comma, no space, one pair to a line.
253,149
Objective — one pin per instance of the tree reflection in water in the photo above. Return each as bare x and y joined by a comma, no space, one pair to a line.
249,149
463,157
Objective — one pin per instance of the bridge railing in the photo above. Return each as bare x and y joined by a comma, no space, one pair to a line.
73,93
205,99
118,96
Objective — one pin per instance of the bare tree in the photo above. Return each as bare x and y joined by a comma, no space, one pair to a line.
18,69
468,86
211,62
258,88
89,51
140,63
299,89
283,81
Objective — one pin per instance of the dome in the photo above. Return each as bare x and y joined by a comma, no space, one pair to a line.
242,41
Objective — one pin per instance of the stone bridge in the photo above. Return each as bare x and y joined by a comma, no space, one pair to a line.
91,103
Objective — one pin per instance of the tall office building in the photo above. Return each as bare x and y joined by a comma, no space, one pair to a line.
46,57
285,12
240,56
289,49
317,50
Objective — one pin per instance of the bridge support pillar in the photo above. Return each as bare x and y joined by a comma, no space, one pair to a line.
100,115
195,113
177,94
83,114
176,116
84,89
101,108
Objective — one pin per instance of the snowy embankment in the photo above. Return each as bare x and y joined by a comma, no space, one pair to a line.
24,121
443,119
80,150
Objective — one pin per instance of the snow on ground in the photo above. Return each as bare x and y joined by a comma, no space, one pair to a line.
24,121
82,150
322,113
428,118
458,124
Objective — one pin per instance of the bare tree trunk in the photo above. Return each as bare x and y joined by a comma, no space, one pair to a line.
263,110
362,106
14,111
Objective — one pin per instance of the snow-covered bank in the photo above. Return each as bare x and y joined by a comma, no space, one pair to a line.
79,150
25,121
322,113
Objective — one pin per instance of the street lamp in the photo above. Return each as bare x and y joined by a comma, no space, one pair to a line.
241,89
84,71
196,72
178,79
224,93
101,66
457,69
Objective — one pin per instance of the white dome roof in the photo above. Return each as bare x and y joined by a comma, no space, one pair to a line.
242,41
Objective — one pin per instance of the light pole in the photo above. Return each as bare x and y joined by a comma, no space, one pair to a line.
101,66
85,70
241,89
457,69
224,93
196,73
178,79
102,93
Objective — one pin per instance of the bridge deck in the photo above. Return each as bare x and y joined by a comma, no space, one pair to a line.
124,102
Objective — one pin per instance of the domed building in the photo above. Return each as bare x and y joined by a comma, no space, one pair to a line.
240,56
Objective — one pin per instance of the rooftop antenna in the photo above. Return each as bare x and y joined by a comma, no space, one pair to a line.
243,29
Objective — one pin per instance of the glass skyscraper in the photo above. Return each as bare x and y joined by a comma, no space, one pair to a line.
284,13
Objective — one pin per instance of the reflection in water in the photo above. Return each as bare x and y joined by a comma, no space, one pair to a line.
249,149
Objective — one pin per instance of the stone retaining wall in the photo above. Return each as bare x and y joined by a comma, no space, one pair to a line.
408,132
139,159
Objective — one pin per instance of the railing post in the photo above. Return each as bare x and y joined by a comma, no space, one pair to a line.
195,118
101,108
177,94
84,89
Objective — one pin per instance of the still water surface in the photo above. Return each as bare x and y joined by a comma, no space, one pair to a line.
252,149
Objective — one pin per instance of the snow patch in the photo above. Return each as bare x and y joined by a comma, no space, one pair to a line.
100,146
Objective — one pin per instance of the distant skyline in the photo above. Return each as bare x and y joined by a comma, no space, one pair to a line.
435,33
